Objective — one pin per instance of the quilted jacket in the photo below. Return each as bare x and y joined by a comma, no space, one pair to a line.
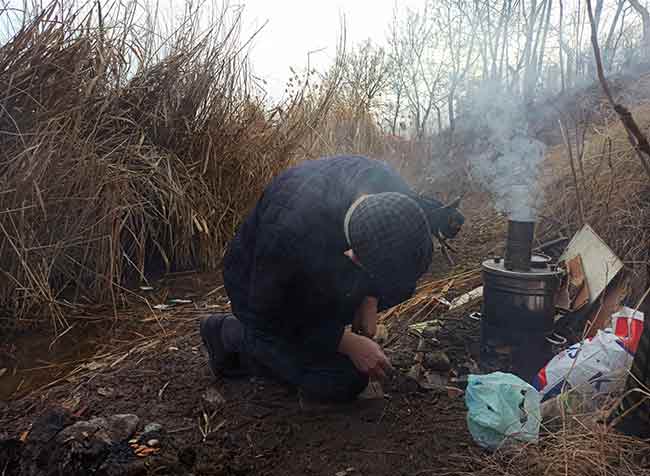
285,271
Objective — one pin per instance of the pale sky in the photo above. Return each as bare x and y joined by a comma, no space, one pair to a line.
296,27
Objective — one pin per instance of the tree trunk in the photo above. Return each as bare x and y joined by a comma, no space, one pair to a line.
609,48
529,61
542,48
560,49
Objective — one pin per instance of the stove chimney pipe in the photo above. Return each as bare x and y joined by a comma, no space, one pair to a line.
519,245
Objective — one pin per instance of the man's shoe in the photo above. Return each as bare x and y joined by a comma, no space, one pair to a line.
221,362
211,337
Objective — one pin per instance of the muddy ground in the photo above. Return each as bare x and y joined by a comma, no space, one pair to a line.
246,427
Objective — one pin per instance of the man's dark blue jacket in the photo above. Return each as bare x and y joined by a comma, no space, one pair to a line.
285,271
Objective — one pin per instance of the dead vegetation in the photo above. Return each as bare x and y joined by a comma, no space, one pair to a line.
609,186
580,446
574,450
122,152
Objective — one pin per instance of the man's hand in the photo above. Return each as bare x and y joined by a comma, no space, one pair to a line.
365,320
366,355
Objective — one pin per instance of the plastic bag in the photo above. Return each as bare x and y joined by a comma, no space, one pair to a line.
589,365
501,406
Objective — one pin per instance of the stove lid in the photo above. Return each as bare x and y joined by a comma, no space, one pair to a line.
541,266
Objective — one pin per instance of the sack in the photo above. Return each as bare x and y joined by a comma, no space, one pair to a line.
502,407
594,364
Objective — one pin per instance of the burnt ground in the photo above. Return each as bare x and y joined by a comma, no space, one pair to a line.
248,427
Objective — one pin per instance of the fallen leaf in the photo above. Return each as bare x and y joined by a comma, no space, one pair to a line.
144,452
23,436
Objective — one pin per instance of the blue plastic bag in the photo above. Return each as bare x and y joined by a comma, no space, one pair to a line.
502,407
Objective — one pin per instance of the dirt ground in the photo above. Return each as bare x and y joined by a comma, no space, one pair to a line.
264,428
241,427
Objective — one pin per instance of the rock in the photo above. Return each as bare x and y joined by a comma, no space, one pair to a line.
46,426
97,446
153,443
111,430
153,428
84,431
438,361
121,427
80,448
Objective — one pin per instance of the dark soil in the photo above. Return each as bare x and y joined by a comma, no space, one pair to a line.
264,428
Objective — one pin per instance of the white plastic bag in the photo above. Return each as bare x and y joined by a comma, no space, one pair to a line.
501,408
590,365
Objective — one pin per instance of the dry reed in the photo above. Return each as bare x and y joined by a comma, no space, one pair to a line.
123,153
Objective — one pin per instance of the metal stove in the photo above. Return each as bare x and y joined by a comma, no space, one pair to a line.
518,306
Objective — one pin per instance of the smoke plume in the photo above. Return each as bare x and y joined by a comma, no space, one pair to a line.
504,157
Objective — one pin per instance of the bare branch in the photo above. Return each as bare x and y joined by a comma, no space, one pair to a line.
638,140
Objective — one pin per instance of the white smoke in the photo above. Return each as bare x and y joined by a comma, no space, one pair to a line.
505,157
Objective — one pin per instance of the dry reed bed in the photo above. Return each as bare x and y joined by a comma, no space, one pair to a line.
117,157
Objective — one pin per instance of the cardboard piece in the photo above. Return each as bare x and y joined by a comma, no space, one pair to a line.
612,300
573,293
599,262
578,286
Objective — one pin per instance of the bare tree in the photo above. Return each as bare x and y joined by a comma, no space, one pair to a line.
645,17
365,76
459,45
610,43
413,45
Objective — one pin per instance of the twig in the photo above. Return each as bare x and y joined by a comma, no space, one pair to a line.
567,142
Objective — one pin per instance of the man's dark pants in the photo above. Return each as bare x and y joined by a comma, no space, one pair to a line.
331,378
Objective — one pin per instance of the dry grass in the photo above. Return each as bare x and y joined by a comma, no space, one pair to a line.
122,152
577,450
614,190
